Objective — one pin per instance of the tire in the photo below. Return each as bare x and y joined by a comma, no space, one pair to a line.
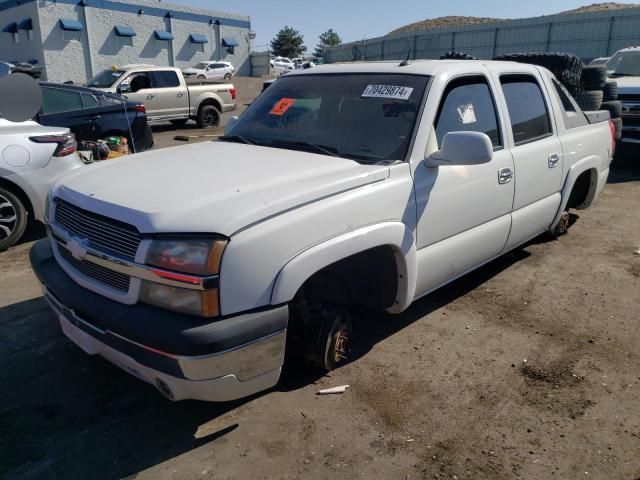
208,117
180,122
319,332
617,122
610,91
457,56
589,100
562,227
614,108
227,76
593,77
201,77
13,218
566,67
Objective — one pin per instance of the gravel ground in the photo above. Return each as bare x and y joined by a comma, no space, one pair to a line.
441,391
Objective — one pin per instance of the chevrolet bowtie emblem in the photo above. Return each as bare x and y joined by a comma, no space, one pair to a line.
77,248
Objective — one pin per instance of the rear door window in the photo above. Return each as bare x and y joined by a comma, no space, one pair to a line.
468,106
528,111
56,100
166,79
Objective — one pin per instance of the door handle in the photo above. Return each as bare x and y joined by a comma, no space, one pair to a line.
504,175
554,159
149,97
181,94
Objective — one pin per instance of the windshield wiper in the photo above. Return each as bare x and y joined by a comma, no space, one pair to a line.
237,138
324,149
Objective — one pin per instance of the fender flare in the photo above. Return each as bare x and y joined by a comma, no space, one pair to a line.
395,234
592,162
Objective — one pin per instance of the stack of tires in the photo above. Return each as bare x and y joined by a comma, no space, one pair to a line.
567,68
457,56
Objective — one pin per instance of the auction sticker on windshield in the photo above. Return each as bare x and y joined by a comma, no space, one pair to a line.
387,91
282,106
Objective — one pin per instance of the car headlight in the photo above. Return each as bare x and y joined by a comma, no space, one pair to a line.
197,258
204,303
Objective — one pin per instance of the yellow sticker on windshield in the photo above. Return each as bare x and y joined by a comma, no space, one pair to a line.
282,106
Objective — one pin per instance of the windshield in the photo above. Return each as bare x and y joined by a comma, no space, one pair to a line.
367,117
201,66
624,64
105,79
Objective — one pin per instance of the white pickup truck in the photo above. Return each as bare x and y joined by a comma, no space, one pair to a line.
166,95
624,68
359,184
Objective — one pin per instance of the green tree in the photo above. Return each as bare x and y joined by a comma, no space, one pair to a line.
327,39
288,43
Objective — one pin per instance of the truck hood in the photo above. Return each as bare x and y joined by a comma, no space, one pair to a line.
212,187
628,85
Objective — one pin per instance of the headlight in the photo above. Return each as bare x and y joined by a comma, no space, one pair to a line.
196,256
193,302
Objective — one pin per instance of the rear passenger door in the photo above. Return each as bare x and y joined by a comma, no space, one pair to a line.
171,100
537,156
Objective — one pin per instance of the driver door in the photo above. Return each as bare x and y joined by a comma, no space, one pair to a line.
463,212
141,91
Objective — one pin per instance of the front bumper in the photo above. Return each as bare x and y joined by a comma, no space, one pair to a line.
182,356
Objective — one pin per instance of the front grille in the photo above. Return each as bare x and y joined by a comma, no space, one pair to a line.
117,280
102,233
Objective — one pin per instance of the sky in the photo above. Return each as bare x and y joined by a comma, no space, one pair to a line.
357,19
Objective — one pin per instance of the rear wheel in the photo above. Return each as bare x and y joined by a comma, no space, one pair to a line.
13,218
201,77
208,117
227,76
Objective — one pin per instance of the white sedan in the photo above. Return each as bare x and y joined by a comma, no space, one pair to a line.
210,71
31,157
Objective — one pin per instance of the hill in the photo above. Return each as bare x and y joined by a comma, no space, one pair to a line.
459,21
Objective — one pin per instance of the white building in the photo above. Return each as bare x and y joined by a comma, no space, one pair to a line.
75,39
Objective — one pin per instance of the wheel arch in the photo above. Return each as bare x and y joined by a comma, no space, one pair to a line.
392,238
583,172
21,194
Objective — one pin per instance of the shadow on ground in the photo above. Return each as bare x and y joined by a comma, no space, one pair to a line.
64,414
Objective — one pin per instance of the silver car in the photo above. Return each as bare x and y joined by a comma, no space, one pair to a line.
31,157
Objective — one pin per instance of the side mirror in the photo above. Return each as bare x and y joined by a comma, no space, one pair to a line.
462,148
230,123
124,88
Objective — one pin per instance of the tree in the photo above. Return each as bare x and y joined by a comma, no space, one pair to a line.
327,39
288,43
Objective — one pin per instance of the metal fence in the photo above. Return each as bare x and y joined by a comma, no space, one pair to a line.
588,35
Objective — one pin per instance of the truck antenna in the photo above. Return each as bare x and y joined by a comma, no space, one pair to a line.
406,61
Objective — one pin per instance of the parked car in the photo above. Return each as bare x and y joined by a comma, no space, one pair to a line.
282,63
624,68
32,157
165,94
210,71
92,115
367,184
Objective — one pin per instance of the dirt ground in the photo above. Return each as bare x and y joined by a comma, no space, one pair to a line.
528,368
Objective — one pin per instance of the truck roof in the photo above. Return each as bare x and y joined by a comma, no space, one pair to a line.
414,67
